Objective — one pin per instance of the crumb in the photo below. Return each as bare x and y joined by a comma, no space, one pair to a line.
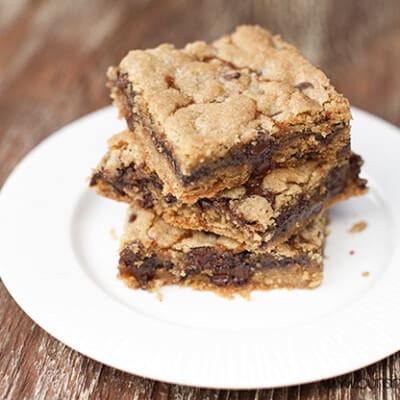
358,227
365,274
351,252
113,234
328,232
159,295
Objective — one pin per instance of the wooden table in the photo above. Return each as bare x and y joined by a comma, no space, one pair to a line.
53,57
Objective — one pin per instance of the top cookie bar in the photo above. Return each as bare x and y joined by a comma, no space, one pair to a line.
210,116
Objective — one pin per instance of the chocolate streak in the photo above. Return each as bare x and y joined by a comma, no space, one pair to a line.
128,179
311,204
221,267
306,206
143,270
257,154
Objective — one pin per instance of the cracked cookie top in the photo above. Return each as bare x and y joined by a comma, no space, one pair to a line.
207,99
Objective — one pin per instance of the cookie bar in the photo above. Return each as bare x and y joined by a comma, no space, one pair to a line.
154,253
260,212
210,116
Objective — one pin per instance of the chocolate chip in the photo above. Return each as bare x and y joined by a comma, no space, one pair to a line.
204,204
156,181
132,218
240,274
128,257
170,82
223,268
254,186
203,258
134,177
97,176
126,179
143,269
232,75
259,148
169,198
304,85
147,200
220,280
188,234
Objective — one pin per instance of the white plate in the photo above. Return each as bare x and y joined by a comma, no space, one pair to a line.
58,260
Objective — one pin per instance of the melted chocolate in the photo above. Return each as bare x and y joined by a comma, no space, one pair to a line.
143,269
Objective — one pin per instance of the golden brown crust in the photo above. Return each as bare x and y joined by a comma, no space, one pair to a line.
205,100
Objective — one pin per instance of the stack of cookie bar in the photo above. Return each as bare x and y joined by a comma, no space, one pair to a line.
232,154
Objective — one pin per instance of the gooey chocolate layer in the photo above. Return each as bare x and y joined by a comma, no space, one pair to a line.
222,268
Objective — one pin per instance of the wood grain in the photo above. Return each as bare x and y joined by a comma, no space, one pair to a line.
53,57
